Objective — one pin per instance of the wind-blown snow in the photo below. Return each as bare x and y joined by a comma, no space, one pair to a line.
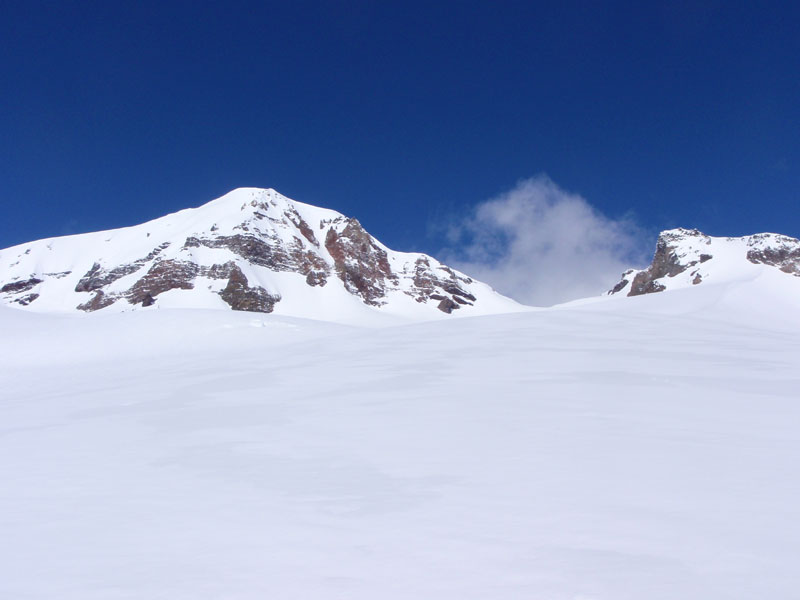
619,448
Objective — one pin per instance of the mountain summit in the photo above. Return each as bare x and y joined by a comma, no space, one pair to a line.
250,250
687,257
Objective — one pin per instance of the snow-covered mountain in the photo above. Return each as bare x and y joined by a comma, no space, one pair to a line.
687,257
251,250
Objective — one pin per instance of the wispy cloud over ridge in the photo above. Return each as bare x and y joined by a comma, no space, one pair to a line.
543,245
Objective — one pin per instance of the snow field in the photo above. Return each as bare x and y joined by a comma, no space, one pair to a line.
616,449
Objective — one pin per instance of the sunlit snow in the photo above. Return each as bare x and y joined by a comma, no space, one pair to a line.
620,448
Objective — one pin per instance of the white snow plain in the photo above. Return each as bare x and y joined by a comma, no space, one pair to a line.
615,449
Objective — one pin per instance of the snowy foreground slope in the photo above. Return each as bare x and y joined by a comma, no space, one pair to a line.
624,448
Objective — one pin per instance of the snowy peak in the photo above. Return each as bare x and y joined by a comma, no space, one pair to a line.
252,249
687,257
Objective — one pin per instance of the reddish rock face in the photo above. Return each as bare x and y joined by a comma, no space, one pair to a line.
304,228
163,276
360,263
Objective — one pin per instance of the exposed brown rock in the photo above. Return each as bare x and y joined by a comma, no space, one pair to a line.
218,271
171,274
360,263
96,302
644,283
270,252
94,279
97,277
447,306
677,251
319,278
163,276
27,299
304,228
16,287
623,282
240,296
666,263
428,284
457,291
786,256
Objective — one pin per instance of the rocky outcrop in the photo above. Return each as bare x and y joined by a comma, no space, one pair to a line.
446,305
686,257
26,299
778,251
315,278
668,261
163,276
304,228
360,263
18,287
265,251
166,275
98,301
440,284
97,277
240,296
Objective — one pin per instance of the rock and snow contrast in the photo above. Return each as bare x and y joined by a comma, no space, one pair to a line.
251,250
611,449
686,257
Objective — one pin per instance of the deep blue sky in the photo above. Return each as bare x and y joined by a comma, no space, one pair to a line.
400,114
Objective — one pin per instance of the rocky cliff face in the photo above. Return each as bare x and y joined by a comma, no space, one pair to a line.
686,257
252,250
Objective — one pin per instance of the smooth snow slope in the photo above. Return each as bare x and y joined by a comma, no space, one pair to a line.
627,449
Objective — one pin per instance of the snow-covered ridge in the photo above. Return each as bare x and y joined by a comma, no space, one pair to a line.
252,249
687,257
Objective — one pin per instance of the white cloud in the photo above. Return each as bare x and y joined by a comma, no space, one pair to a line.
542,245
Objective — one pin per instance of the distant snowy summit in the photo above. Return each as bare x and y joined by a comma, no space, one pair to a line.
687,257
251,250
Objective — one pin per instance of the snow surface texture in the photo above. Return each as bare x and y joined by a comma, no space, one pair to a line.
252,249
618,448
